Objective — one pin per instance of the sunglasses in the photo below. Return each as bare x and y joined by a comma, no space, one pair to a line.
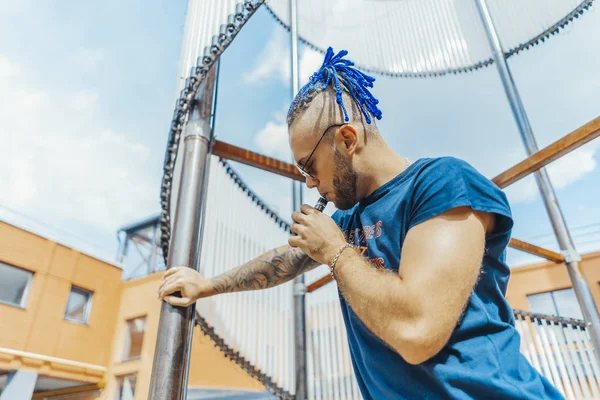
302,168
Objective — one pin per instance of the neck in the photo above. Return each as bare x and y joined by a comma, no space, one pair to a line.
381,164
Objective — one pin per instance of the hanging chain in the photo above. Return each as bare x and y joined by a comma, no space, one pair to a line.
237,358
183,106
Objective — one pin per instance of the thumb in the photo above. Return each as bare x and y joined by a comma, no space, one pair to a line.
178,301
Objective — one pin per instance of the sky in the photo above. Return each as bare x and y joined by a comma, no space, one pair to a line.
87,93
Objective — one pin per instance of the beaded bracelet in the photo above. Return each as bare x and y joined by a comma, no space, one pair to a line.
337,255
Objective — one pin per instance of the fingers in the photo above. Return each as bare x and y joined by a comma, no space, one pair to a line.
298,217
171,271
298,229
178,301
294,241
169,287
306,209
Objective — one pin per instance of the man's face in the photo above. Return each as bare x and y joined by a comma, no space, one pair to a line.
328,169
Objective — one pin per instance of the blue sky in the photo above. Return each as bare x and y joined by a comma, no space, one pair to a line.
87,92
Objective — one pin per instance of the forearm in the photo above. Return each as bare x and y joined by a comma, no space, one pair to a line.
379,298
273,268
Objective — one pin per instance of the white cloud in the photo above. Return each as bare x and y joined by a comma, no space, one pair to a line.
274,61
562,172
60,163
272,140
310,61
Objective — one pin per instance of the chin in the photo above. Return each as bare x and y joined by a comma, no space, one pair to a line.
343,205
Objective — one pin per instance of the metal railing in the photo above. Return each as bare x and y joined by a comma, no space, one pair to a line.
562,351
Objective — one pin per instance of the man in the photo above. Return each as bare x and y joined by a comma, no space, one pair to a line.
417,250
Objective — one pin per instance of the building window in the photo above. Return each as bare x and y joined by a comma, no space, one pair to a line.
14,285
78,305
561,303
126,387
134,338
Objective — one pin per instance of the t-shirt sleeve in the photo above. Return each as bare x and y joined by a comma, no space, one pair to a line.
446,183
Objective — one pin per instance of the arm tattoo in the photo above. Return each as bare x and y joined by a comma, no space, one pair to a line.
273,268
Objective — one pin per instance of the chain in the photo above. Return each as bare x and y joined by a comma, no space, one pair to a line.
241,361
220,42
227,33
540,38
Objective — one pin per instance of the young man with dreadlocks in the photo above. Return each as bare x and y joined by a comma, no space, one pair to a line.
418,251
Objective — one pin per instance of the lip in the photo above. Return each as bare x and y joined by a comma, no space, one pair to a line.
324,195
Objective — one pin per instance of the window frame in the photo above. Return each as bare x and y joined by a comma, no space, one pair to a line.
25,297
554,303
124,355
119,386
88,307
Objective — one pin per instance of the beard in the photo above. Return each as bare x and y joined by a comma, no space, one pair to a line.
344,182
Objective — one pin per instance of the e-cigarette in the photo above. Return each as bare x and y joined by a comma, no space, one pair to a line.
321,204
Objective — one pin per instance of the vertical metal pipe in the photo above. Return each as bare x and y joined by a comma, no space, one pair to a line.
299,287
173,343
154,247
296,187
572,258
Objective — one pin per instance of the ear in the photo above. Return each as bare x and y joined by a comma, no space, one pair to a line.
347,139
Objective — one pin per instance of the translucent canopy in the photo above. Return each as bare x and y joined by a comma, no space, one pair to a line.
424,37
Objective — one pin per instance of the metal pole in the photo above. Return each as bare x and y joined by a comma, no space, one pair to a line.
296,186
154,247
572,258
171,357
123,249
299,286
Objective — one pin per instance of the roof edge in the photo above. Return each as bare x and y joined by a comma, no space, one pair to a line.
53,238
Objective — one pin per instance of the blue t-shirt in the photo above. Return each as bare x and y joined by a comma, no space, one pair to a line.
482,358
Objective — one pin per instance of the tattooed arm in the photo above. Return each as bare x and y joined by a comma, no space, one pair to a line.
273,268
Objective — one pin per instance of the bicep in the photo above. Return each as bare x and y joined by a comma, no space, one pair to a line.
441,262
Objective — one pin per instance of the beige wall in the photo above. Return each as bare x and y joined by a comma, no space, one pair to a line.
40,339
549,276
40,328
209,368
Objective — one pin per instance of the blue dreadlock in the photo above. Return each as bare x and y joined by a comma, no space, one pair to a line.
335,69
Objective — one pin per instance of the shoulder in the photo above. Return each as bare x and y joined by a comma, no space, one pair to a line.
445,183
448,170
444,164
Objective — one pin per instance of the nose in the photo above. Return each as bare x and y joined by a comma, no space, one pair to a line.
311,182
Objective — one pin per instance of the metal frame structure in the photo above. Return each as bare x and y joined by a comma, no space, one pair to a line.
140,238
192,120
299,285
570,254
173,345
552,152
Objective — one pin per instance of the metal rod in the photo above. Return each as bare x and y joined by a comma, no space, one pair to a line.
572,258
123,249
175,329
550,153
154,247
256,160
299,293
